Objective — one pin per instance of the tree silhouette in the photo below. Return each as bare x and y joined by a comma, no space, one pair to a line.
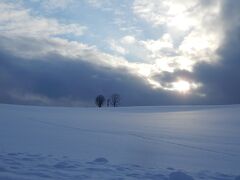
99,101
115,100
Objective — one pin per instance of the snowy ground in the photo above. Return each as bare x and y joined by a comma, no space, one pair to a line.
175,143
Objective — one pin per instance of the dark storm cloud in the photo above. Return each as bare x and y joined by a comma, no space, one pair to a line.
169,77
222,81
60,81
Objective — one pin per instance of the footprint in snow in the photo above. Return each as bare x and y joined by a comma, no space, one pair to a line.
64,165
100,161
179,176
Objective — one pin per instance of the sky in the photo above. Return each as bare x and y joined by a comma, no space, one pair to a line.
151,52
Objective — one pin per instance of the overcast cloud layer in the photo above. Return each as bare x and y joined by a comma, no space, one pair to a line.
66,52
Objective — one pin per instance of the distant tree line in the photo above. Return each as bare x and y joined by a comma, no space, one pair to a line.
114,100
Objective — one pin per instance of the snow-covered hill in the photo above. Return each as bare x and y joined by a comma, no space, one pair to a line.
176,143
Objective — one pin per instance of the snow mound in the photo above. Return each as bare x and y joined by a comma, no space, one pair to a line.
23,166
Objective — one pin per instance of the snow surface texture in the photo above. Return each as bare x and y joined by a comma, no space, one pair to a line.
172,143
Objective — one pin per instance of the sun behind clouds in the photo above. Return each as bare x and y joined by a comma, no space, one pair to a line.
182,86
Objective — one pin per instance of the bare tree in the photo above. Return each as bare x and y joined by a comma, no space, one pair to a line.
115,100
99,101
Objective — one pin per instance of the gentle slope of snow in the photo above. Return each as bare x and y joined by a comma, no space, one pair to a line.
198,142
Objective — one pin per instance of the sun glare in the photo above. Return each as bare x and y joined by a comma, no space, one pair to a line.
182,86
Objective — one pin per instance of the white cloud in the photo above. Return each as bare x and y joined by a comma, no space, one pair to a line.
176,13
128,40
159,45
193,21
16,21
117,48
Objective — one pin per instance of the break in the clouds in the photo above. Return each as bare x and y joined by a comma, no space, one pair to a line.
151,52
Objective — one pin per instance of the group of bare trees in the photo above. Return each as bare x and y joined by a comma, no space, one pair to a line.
114,100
